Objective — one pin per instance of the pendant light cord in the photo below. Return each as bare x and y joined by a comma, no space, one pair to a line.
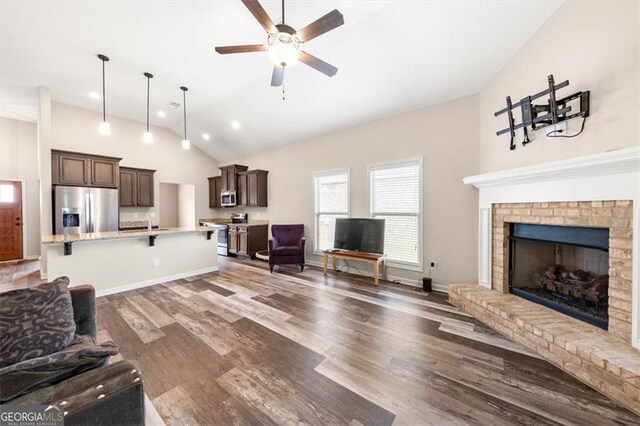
104,102
184,102
148,85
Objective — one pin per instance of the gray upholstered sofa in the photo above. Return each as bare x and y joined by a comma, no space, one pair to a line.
111,394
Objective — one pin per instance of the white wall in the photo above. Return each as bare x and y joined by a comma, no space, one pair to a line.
18,154
445,135
122,264
168,209
186,206
594,45
43,160
75,129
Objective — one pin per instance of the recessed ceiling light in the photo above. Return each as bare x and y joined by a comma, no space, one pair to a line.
235,124
94,95
162,114
206,136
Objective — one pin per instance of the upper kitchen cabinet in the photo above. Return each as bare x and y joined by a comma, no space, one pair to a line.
128,188
136,187
78,169
255,188
229,176
241,193
215,188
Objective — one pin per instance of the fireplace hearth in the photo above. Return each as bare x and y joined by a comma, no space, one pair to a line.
564,268
593,191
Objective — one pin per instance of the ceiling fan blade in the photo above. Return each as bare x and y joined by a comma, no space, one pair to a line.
223,50
259,13
320,26
277,77
318,64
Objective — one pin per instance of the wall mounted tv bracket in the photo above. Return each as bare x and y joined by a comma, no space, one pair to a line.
539,116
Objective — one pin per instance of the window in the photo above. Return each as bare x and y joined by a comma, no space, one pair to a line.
6,194
331,191
396,196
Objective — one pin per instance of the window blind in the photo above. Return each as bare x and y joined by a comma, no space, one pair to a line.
331,202
395,196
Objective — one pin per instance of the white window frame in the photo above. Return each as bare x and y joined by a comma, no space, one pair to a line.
323,173
419,267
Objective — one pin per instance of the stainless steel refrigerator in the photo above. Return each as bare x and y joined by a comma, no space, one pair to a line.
80,210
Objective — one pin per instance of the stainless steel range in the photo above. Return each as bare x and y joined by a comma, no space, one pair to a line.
223,234
240,218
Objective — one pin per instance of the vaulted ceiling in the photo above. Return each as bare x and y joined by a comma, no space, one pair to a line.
393,56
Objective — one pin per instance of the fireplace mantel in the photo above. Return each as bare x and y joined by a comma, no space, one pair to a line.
614,162
606,176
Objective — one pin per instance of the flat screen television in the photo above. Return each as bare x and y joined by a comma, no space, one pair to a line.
365,235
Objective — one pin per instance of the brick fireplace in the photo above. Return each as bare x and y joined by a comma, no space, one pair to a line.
587,193
615,215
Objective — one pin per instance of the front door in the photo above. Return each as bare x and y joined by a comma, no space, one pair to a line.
10,220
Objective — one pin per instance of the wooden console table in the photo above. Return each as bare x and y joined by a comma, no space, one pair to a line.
379,261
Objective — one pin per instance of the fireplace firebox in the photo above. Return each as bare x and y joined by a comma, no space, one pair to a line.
565,268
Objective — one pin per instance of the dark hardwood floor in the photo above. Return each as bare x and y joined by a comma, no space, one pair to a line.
243,346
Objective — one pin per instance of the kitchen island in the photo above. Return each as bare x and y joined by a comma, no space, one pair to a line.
124,260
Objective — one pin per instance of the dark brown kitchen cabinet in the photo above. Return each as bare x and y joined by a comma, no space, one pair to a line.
255,191
145,188
232,240
243,241
128,188
78,169
136,187
241,193
215,188
229,176
247,240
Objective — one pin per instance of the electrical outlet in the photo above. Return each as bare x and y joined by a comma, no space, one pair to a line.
559,129
156,263
433,265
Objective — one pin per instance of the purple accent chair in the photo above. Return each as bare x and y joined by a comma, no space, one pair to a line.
287,246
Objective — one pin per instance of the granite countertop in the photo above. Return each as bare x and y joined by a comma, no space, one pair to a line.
227,221
115,235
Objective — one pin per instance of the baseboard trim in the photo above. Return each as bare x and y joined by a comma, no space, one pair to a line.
443,288
159,280
31,257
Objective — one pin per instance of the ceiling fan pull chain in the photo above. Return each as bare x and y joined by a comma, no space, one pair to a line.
283,84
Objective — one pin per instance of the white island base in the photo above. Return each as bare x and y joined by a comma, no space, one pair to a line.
125,262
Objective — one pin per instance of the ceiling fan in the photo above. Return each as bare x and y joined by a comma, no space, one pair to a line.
284,43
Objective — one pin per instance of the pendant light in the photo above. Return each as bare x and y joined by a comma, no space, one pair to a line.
147,137
104,128
185,142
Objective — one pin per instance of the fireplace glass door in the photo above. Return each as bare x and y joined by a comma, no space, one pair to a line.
563,268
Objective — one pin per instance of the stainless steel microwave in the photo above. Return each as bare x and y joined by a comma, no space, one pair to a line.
228,198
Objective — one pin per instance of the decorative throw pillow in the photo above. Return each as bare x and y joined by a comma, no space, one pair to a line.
35,321
26,376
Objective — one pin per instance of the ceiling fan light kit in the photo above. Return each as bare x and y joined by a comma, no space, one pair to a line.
284,43
284,47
